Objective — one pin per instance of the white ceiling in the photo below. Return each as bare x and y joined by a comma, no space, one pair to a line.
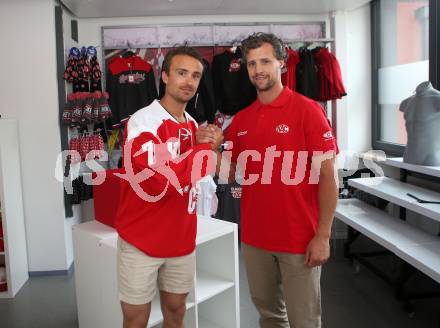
133,8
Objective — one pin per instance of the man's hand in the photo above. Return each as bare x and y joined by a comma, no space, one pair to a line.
318,251
210,134
205,134
218,135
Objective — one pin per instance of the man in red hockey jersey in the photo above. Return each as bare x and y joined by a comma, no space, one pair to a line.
156,219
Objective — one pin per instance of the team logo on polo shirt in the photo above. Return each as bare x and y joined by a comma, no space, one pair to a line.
328,135
235,65
282,128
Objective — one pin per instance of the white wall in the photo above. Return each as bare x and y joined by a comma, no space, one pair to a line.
77,213
358,79
353,50
28,88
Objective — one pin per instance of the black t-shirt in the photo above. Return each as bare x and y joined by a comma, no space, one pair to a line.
229,196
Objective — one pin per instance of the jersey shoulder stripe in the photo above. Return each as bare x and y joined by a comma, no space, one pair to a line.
147,119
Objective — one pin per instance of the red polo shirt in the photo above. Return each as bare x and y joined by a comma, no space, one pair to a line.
279,211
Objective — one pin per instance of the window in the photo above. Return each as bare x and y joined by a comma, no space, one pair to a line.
401,60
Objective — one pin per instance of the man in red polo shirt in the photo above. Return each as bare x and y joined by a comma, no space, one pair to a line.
286,151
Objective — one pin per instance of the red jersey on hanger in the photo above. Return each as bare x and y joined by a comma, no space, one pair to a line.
288,77
330,77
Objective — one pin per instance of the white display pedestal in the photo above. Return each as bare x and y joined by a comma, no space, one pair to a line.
214,301
14,256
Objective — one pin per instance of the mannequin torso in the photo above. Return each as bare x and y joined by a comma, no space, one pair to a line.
422,117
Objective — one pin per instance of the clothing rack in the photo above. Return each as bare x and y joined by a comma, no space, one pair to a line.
211,34
213,44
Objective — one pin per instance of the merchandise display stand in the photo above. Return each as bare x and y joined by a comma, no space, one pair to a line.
14,255
417,249
213,302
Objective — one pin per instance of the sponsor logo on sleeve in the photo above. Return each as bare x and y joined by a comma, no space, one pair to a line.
328,136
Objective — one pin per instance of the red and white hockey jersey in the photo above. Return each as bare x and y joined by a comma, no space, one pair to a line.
157,207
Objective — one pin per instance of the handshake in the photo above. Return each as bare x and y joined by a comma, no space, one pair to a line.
210,134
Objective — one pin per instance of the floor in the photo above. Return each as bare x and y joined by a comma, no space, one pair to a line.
350,299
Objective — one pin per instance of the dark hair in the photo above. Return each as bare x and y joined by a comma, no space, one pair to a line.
256,40
183,50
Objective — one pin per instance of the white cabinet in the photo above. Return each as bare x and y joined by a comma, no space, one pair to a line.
214,301
14,256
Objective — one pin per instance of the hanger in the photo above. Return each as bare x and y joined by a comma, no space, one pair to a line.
129,52
235,44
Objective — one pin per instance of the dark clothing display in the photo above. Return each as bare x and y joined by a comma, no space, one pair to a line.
306,74
81,191
229,196
201,107
83,70
95,75
329,75
84,108
233,90
131,85
318,74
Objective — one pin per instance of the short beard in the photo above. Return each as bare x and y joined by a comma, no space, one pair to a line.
270,83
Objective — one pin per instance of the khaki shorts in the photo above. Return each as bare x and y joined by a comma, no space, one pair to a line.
139,274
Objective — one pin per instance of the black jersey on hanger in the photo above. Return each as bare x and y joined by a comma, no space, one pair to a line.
306,74
233,90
